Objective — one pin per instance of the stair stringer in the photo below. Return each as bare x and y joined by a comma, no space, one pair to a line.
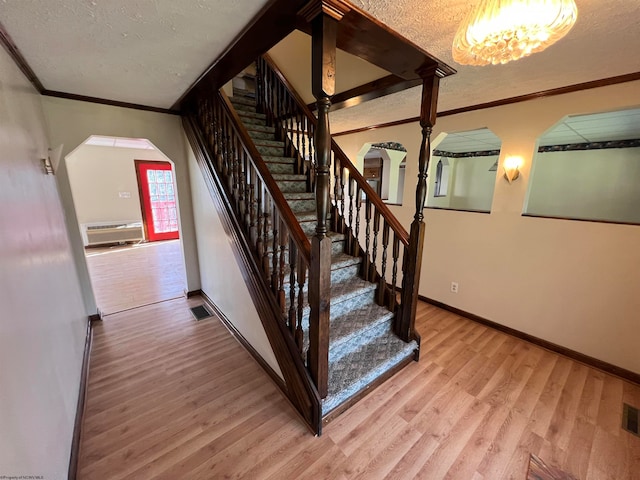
298,385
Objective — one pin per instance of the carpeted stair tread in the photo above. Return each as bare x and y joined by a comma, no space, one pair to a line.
357,327
284,177
247,115
239,100
261,128
273,159
356,370
308,216
263,142
300,195
240,92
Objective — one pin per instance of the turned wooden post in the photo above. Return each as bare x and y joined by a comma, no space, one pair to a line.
324,23
413,255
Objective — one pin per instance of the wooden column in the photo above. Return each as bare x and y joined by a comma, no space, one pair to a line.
413,256
324,20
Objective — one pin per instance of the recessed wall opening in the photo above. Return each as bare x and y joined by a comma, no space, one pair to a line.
383,166
462,171
586,167
126,203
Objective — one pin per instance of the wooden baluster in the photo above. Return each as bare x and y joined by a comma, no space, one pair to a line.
343,176
241,182
265,236
259,245
302,280
259,84
284,239
275,228
299,169
246,177
304,146
334,202
253,206
356,241
376,229
293,257
382,285
413,258
367,257
323,54
349,238
393,300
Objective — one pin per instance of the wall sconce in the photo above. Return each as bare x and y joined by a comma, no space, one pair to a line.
50,164
511,167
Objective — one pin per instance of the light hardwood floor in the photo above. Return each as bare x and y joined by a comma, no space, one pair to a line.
130,276
171,398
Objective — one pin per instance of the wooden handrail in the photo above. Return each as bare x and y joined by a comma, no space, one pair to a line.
354,173
295,230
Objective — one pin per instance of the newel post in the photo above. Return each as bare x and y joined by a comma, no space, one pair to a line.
412,261
324,22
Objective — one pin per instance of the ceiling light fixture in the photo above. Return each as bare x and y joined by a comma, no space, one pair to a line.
499,31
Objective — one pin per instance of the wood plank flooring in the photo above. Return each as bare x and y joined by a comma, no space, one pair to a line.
171,398
130,276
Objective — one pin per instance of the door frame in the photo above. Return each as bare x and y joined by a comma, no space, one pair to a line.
145,219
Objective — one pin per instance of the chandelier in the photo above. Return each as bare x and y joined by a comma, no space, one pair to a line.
499,31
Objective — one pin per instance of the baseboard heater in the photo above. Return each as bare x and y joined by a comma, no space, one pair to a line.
109,233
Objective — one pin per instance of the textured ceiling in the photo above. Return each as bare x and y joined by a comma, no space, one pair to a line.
604,43
150,51
139,51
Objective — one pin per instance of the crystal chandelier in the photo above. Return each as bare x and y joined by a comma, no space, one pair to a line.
499,31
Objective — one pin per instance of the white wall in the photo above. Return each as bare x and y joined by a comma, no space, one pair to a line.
588,184
221,278
99,174
42,316
71,122
569,282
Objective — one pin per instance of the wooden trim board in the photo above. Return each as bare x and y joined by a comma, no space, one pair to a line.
82,399
567,352
630,77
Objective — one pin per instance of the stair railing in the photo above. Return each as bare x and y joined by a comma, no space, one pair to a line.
279,243
372,231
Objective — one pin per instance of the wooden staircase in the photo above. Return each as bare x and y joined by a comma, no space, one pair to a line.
362,345
333,273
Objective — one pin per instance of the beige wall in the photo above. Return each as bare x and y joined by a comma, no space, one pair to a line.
221,278
590,184
71,122
98,175
42,316
569,282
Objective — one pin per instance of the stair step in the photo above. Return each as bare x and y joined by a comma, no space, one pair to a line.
248,115
260,137
356,328
271,151
261,128
303,205
288,160
251,120
239,100
240,92
291,183
281,168
262,142
241,107
356,370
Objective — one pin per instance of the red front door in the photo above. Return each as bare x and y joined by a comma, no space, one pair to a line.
158,199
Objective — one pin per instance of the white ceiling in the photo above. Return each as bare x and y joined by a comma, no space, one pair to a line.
597,127
478,140
138,51
150,51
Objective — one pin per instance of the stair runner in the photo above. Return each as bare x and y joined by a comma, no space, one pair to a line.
362,345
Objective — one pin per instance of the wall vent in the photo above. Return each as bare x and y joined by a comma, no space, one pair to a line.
107,233
200,312
630,419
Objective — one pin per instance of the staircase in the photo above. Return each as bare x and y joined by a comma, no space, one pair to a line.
332,306
362,345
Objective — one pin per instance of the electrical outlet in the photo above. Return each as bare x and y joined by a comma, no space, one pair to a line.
454,287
